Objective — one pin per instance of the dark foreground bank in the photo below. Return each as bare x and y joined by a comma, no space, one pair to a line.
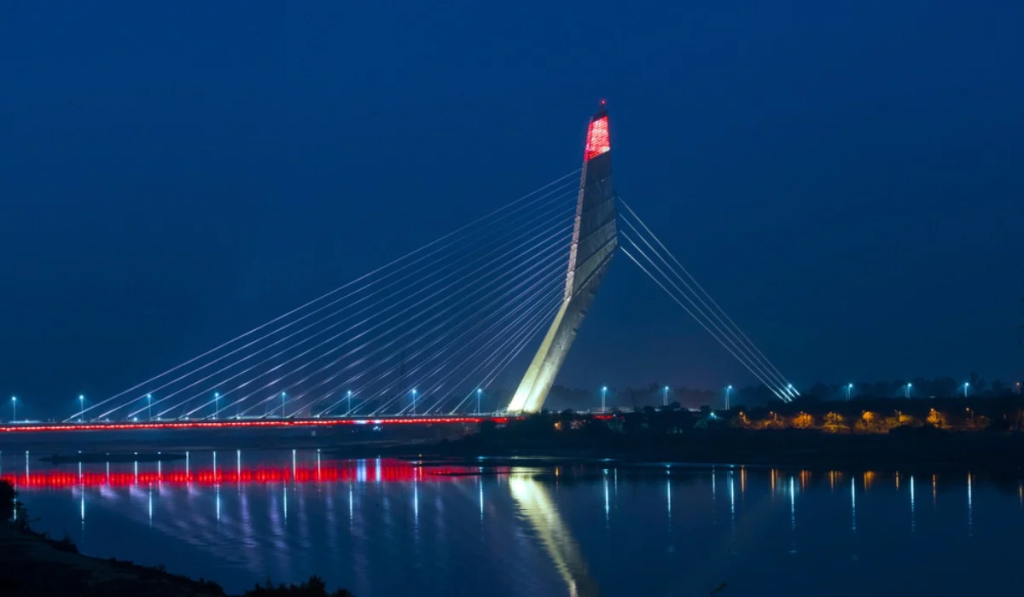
32,564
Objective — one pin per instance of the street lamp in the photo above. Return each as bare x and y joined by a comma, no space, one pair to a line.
348,395
283,397
81,410
906,390
966,387
478,392
1018,388
728,391
149,406
790,388
414,402
604,397
664,396
849,389
972,414
14,408
216,404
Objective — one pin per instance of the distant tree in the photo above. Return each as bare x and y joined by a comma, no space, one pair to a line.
314,587
7,500
978,382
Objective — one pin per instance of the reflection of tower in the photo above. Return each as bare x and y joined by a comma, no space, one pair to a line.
593,243
538,508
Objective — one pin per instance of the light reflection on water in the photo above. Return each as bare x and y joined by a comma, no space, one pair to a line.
381,527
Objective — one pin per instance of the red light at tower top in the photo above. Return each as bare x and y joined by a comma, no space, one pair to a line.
598,141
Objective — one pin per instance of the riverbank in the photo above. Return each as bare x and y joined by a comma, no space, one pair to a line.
925,448
34,565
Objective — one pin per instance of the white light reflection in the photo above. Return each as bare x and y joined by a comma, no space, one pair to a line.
318,465
150,506
607,502
378,470
732,499
238,465
351,509
970,509
27,476
217,500
293,465
668,497
912,517
853,502
187,467
415,502
285,488
480,485
792,504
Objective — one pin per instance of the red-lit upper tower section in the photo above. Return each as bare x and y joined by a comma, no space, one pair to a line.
598,141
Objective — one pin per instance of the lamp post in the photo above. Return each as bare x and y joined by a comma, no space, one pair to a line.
478,393
414,402
966,387
849,390
664,397
149,406
728,395
216,404
283,398
604,397
348,396
14,408
81,408
906,393
1018,388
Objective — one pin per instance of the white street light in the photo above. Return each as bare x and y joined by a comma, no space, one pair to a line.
81,410
966,387
907,393
414,402
478,393
664,396
216,404
349,396
604,397
283,397
849,389
14,408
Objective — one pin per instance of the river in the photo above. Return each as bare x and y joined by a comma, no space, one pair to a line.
388,527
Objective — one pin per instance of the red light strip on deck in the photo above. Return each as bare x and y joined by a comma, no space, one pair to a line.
236,424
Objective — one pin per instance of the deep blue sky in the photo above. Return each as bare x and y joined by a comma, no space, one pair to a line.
845,178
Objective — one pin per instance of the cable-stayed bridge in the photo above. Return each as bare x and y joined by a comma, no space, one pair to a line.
424,337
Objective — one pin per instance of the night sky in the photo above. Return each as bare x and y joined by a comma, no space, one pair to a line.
844,178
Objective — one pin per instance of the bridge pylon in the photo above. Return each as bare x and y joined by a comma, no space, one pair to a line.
594,241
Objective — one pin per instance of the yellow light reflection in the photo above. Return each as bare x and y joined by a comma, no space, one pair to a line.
537,507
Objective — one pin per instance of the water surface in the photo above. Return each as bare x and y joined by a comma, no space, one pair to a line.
384,527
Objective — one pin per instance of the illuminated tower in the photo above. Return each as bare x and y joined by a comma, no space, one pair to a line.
593,244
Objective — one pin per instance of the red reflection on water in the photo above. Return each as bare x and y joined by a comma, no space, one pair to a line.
388,471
